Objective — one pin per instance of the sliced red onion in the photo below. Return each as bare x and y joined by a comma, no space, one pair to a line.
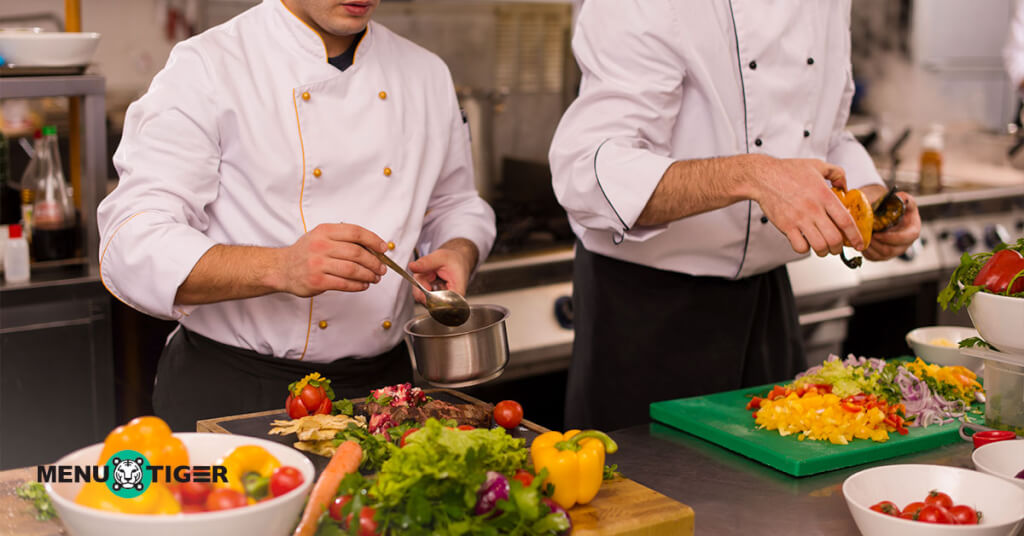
495,488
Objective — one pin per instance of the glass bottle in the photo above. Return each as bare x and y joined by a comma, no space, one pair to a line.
53,211
930,171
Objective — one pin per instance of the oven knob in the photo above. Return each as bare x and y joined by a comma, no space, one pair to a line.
563,311
995,235
910,253
964,240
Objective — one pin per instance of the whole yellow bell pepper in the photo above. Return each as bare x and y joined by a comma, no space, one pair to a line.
157,499
149,436
248,470
574,462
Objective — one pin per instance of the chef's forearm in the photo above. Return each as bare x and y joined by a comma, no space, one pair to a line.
466,249
231,273
691,187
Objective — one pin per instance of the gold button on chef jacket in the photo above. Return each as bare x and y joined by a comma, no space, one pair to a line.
666,81
222,148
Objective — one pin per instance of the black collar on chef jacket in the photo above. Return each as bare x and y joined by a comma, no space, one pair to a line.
344,60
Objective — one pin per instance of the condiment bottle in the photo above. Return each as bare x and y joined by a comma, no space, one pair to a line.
53,212
16,266
930,170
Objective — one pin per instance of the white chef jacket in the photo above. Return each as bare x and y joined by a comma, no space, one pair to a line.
662,81
249,137
1013,51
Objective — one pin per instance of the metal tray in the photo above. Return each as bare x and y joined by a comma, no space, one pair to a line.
40,70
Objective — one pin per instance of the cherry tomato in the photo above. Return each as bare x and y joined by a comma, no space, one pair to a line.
965,515
508,414
401,442
886,507
937,498
908,515
193,508
225,499
933,513
523,476
913,508
335,509
467,427
311,396
284,479
367,526
295,408
194,492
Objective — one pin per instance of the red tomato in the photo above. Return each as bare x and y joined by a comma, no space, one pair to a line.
907,515
467,427
284,479
965,515
508,414
523,476
295,408
367,526
311,396
937,498
886,507
335,509
935,514
225,499
401,442
192,508
194,492
913,508
324,408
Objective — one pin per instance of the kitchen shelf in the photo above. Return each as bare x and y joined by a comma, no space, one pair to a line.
92,89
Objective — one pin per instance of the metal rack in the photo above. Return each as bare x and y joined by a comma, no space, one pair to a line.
92,89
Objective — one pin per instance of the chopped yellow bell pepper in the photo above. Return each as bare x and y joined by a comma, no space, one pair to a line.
149,436
157,499
574,462
248,470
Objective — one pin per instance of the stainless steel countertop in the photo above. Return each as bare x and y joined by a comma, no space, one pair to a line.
731,494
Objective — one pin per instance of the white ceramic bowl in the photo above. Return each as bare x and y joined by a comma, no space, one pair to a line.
999,320
276,516
923,342
1001,503
47,49
1003,459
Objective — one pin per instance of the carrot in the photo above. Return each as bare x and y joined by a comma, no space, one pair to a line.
345,460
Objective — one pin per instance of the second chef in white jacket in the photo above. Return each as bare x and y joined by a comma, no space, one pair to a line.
695,163
264,156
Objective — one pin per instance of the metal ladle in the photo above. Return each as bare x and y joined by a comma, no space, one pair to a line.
445,306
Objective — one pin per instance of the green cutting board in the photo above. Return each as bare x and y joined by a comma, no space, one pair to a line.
722,419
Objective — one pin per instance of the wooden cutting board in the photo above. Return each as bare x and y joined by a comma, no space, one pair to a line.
623,507
17,516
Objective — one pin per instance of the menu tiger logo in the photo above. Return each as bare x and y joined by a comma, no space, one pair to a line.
128,473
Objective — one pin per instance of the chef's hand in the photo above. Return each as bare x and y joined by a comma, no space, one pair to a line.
331,257
453,262
893,242
800,204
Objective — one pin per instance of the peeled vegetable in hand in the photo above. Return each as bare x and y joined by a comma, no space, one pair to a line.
311,395
860,209
494,489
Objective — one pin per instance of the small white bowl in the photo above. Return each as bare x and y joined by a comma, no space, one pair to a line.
276,516
924,342
47,49
1001,503
1002,458
999,320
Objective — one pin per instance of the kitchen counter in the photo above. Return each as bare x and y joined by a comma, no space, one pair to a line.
731,494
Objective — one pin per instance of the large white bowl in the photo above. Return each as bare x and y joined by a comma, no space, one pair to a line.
1001,503
276,516
999,320
1003,459
921,340
47,49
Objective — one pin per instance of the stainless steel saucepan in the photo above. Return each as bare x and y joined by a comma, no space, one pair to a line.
459,356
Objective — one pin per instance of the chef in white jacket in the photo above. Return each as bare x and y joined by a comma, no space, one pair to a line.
694,164
1013,51
265,156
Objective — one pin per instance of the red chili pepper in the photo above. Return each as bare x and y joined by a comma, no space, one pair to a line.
1002,271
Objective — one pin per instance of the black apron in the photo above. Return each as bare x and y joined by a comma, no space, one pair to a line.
644,335
199,378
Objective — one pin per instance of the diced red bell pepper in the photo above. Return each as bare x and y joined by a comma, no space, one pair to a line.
755,403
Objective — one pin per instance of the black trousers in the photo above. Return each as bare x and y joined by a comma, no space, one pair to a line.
644,335
199,378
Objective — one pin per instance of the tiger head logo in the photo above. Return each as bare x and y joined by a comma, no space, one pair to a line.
128,473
